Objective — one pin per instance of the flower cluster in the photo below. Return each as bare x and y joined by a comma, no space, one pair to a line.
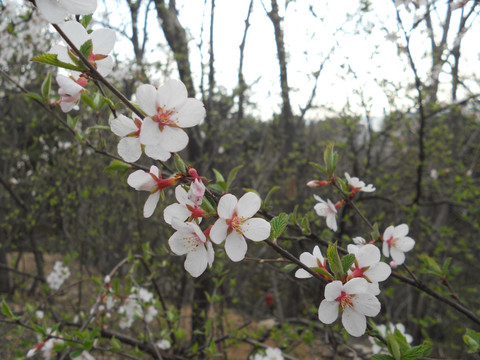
384,330
57,277
138,304
270,354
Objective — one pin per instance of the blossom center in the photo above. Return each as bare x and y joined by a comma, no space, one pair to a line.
164,118
235,223
345,300
196,211
391,241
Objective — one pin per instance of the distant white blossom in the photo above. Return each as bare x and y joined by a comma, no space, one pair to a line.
57,277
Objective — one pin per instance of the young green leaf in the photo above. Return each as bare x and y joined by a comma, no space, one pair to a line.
232,175
86,48
347,262
52,59
334,261
46,86
279,223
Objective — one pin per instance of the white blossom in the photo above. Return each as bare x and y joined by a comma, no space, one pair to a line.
235,223
315,259
396,243
327,210
58,275
55,11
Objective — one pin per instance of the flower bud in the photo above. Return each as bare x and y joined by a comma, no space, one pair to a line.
317,183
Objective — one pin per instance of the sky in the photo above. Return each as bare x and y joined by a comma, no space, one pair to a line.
357,62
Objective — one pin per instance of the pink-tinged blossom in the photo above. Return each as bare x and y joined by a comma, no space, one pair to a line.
353,300
169,111
186,208
235,223
368,266
317,183
327,210
357,185
396,243
190,240
129,147
70,91
103,41
315,259
55,11
152,182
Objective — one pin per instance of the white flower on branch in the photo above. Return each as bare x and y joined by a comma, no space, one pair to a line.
103,41
315,259
129,146
353,300
327,210
396,243
169,110
235,223
188,206
57,277
190,240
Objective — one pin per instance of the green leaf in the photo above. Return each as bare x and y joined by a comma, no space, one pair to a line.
393,346
99,127
46,86
217,187
85,20
381,357
322,271
86,48
279,223
347,262
218,176
269,195
117,165
35,96
208,206
52,59
375,233
116,344
7,311
98,100
232,175
76,353
289,267
334,261
88,100
109,102
179,164
330,159
72,121
319,168
417,351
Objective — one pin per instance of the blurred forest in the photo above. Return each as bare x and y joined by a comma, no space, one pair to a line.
60,199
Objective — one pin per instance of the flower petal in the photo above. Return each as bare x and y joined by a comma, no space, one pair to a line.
75,32
177,211
332,222
308,259
79,7
218,232
180,242
248,205
191,113
354,322
328,311
235,246
355,286
226,206
173,139
379,272
256,229
366,304
302,274
105,66
333,290
149,133
400,231
52,11
385,249
122,126
146,95
388,233
103,41
173,94
196,261
405,244
368,255
151,204
141,180
397,255
157,152
129,149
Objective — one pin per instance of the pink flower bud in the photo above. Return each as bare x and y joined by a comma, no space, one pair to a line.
393,264
317,183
